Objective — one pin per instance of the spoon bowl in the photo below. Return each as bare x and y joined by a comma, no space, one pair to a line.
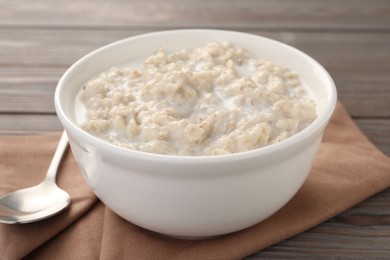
38,202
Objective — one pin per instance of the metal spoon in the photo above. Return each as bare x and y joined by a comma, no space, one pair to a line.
38,202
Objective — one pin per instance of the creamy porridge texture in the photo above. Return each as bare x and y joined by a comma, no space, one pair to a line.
212,100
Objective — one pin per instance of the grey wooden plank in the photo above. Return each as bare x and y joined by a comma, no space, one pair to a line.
27,100
18,124
32,61
378,131
357,14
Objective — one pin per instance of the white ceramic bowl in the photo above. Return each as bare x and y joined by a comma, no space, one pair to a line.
195,197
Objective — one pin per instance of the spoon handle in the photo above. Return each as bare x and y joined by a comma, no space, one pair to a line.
55,162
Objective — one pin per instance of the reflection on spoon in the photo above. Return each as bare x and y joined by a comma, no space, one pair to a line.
38,202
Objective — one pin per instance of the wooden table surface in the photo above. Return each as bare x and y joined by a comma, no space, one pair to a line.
40,39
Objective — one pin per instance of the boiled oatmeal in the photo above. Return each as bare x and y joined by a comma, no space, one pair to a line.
211,100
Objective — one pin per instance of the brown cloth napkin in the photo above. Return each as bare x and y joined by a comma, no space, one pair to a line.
347,170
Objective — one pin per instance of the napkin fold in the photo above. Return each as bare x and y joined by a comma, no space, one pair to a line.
347,170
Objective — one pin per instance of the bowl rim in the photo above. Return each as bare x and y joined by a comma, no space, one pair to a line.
316,126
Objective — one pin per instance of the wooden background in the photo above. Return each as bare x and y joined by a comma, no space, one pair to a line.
40,39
